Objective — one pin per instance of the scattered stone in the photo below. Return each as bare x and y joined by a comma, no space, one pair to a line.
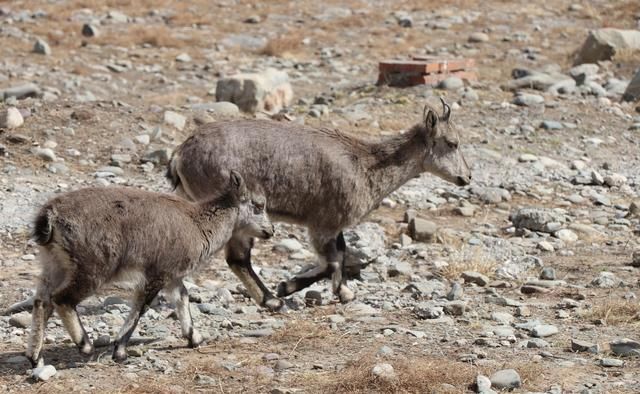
537,219
451,83
583,346
158,157
89,30
183,58
425,310
10,118
456,292
281,365
528,100
548,273
606,280
43,373
269,91
603,44
635,260
566,235
506,379
20,320
422,230
22,91
551,125
175,119
537,343
288,245
632,93
45,154
527,158
455,308
41,47
384,371
483,385
478,37
475,277
313,298
400,268
544,330
625,347
611,362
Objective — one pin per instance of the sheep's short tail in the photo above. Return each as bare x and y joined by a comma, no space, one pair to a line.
172,172
42,227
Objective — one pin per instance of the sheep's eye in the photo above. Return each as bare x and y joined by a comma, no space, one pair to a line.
258,207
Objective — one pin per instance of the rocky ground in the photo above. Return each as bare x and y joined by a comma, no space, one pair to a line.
526,279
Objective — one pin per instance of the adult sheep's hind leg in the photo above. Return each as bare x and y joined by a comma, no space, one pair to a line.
332,251
238,256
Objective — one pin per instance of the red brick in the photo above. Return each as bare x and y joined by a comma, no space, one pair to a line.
412,79
425,65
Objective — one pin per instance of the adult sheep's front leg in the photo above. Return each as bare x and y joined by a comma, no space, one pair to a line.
332,251
238,256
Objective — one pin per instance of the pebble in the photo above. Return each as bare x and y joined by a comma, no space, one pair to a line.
11,118
89,30
384,371
483,385
313,298
44,373
506,379
175,119
611,362
551,125
475,277
281,365
583,346
456,292
45,154
451,83
548,273
289,245
606,280
528,100
478,37
41,47
544,330
566,235
20,320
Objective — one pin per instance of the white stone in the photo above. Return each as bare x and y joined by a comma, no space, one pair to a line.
268,91
11,118
175,119
384,371
566,235
44,373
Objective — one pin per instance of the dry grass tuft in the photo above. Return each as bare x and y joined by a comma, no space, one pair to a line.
283,46
627,56
156,36
614,311
470,259
414,375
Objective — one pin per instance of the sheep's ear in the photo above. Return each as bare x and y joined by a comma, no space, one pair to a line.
237,184
431,122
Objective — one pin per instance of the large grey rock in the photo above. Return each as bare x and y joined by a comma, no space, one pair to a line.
422,230
22,91
538,219
625,347
268,91
606,280
506,379
633,89
603,44
544,330
584,346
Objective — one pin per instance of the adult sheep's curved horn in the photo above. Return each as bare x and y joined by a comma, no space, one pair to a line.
446,110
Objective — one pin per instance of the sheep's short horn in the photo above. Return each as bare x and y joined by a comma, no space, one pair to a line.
446,109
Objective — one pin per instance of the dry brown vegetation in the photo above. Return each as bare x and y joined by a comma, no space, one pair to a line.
284,45
614,311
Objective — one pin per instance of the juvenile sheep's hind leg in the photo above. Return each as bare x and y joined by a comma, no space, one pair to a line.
42,309
139,307
181,299
74,327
